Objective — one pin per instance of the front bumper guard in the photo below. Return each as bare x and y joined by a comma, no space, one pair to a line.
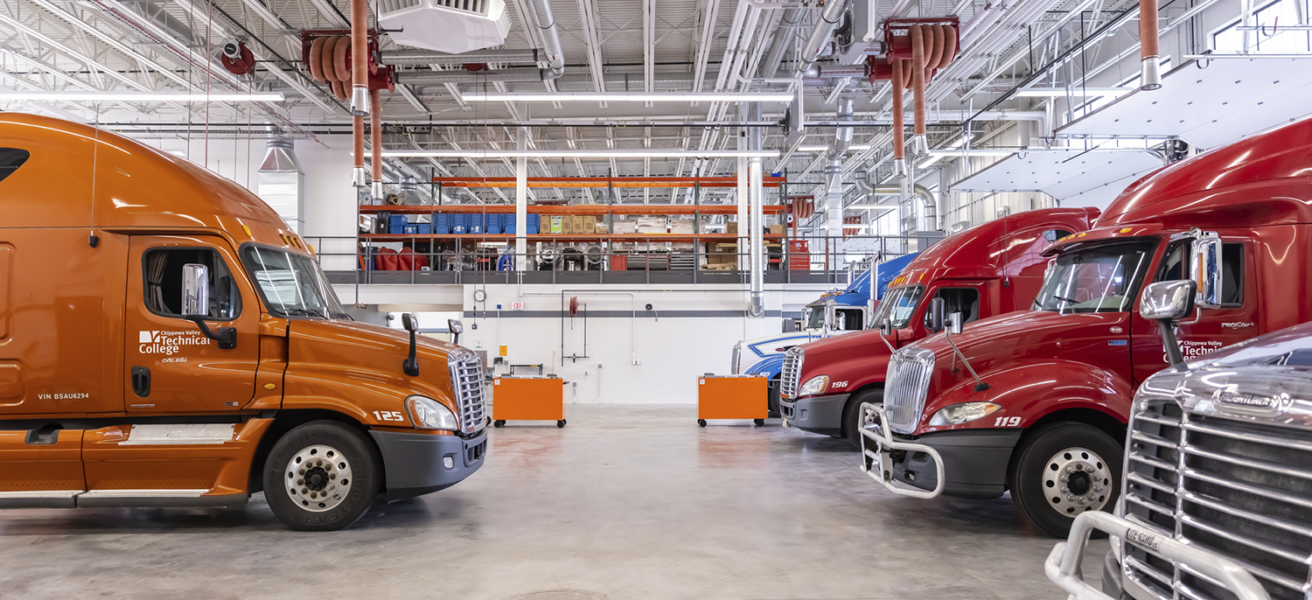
881,455
1063,564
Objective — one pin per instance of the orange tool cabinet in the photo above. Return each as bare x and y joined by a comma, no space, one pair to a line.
732,397
528,399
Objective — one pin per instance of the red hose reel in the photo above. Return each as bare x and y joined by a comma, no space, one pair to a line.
327,52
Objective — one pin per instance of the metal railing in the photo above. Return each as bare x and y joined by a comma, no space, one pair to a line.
636,259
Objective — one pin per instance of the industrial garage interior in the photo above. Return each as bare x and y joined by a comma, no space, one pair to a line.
612,299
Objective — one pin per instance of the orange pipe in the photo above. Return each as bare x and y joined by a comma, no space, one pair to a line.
918,77
357,126
899,126
341,59
936,34
949,46
316,58
326,57
376,135
359,43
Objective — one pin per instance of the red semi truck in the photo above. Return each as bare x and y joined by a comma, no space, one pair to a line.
1036,402
987,270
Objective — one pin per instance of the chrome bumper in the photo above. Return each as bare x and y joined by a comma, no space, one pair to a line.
1063,564
884,446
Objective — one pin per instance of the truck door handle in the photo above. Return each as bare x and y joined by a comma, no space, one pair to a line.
141,381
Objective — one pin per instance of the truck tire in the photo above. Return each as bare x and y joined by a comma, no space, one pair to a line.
321,476
1062,470
852,413
772,398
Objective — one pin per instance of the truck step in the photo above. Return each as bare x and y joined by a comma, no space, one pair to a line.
117,499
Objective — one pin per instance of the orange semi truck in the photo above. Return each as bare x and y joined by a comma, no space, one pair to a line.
165,340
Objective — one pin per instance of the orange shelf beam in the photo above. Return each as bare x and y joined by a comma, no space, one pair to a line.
574,209
601,182
547,237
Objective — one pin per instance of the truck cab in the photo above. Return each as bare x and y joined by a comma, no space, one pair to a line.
166,340
1036,402
992,268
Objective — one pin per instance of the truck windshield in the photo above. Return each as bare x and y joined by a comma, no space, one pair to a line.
292,284
815,317
1095,280
897,306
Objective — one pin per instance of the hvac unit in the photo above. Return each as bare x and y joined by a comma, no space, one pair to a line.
453,26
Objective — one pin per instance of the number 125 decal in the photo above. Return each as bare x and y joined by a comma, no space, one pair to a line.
389,415
1007,422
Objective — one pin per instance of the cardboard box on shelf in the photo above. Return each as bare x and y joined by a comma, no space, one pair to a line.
601,228
556,225
626,227
584,224
778,229
684,226
731,227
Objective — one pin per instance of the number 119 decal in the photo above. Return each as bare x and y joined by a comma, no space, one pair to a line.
1007,422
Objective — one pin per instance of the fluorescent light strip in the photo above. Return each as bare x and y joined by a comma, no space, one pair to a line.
139,97
628,97
856,147
581,154
1075,91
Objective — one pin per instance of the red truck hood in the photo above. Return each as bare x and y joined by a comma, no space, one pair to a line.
1005,341
856,359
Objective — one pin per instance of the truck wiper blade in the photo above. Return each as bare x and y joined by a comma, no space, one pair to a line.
1063,299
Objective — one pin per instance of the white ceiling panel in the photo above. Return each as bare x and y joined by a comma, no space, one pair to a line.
1209,105
1086,177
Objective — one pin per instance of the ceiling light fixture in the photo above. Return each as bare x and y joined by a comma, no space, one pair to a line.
855,147
640,153
629,97
139,97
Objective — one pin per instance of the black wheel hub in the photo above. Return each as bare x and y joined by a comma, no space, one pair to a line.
316,479
1079,483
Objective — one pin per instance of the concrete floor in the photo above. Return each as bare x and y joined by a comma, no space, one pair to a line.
625,502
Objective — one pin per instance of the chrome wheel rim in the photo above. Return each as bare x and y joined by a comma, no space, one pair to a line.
318,478
1076,480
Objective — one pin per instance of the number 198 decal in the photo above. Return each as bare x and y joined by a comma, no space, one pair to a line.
1007,422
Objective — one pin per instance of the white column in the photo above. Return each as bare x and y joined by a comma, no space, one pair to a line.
521,202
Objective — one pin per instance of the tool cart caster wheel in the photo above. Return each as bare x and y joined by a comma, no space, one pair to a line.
498,424
701,422
560,424
759,422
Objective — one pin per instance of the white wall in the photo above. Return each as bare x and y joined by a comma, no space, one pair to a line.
690,331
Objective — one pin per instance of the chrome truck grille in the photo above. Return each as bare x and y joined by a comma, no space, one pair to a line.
468,386
1214,473
791,372
907,387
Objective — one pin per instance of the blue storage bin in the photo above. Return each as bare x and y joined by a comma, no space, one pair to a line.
424,228
473,223
492,224
458,224
410,229
442,224
534,224
397,225
508,224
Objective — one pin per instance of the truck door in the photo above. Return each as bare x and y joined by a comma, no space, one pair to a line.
1207,330
171,365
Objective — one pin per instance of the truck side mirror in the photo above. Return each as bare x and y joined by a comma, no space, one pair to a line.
196,305
954,323
1207,270
410,366
195,290
886,327
456,328
937,314
1167,302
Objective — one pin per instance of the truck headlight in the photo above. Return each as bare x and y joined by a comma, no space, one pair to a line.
813,386
427,413
963,413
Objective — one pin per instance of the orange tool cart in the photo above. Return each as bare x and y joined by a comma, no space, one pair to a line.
528,399
732,397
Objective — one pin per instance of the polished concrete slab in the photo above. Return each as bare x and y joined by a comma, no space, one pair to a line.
625,502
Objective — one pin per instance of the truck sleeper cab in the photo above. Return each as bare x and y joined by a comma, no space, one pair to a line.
992,268
165,340
1036,402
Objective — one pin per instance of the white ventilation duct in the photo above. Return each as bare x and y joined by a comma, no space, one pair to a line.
281,184
453,26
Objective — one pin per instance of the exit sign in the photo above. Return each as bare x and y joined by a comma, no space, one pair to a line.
516,306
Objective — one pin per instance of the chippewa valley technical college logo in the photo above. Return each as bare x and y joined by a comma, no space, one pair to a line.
169,343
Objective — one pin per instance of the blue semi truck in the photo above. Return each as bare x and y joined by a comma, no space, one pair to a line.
835,313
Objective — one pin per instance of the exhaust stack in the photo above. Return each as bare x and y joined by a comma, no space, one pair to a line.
1151,79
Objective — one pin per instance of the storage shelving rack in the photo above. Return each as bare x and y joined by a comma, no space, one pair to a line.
608,210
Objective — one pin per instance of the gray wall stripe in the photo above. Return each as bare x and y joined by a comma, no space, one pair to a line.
618,314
